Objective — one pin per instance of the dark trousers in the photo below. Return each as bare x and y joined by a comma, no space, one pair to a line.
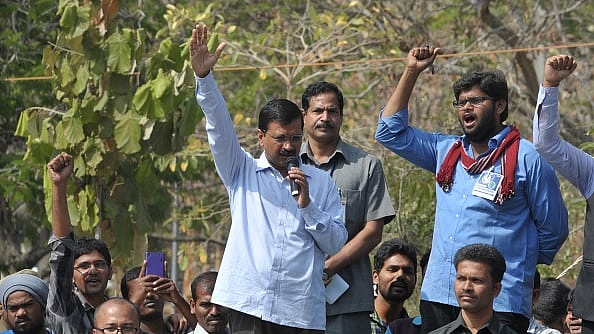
435,315
241,323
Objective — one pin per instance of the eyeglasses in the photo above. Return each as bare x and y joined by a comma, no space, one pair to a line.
283,139
84,267
115,330
474,100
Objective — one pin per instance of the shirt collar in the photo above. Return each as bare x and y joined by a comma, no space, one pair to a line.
342,149
494,142
492,326
262,164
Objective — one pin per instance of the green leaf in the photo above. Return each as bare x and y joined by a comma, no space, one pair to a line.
161,84
74,209
83,15
141,96
47,131
101,103
66,73
119,52
157,111
69,16
93,152
72,129
23,124
127,133
145,178
82,77
143,219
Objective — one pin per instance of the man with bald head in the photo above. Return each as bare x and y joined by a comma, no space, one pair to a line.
117,316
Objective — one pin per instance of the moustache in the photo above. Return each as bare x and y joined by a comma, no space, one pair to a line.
324,126
213,317
286,153
399,284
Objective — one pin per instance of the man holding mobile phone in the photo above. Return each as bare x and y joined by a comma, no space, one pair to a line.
150,292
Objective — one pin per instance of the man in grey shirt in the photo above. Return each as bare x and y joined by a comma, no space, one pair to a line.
365,199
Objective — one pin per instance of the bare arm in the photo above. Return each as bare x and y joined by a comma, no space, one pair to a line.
60,169
418,59
361,245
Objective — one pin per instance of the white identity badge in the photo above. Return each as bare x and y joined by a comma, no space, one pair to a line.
488,185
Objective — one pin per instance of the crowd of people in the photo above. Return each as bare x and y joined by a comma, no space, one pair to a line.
303,230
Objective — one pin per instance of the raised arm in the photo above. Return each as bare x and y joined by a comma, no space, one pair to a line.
573,163
417,61
60,169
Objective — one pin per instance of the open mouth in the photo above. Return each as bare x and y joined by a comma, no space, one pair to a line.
468,120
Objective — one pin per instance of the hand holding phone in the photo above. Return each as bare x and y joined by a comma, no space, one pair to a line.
155,264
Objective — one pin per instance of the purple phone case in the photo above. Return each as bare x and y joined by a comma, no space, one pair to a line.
155,263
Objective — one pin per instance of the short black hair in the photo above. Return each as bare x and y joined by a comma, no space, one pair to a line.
321,87
87,245
131,274
392,247
282,111
552,302
483,253
493,83
206,280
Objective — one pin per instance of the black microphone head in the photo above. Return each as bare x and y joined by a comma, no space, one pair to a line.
292,162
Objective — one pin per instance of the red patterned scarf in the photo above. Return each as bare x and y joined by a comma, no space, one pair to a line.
509,147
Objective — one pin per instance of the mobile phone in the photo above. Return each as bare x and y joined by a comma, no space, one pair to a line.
155,263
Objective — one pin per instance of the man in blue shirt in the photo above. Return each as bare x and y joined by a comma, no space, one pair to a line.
492,187
270,277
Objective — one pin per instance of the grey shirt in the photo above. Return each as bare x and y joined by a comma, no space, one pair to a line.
361,182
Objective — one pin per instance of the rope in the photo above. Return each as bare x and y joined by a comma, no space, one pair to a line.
348,62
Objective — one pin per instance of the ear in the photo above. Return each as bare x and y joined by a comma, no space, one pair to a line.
303,112
496,289
261,137
500,106
375,277
192,306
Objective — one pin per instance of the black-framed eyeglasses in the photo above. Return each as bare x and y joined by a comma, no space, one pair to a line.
84,267
283,139
474,100
115,330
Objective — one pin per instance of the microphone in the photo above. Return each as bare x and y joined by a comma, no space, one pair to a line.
293,162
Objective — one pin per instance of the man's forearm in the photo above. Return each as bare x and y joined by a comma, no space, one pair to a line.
399,99
361,245
60,216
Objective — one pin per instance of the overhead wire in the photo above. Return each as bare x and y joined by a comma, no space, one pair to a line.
358,61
